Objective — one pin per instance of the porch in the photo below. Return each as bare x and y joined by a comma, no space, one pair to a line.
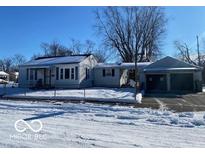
40,77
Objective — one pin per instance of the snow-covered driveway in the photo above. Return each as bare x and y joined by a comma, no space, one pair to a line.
92,125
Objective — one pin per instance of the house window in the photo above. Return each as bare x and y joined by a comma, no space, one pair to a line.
57,73
87,73
108,72
76,73
113,72
67,73
72,73
103,72
61,75
27,74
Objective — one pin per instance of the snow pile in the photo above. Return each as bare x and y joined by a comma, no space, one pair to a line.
186,114
185,119
94,125
139,98
3,81
132,83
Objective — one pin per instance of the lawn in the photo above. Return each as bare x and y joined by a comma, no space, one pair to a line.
124,95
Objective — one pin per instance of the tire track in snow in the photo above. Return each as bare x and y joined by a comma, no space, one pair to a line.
162,106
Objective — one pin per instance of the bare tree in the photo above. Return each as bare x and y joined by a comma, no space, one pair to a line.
12,63
132,30
55,49
6,64
186,54
36,56
89,47
17,60
190,56
75,47
2,66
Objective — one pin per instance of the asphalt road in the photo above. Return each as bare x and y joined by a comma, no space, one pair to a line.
177,103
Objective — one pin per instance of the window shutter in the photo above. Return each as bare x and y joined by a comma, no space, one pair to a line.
103,72
35,74
27,74
76,73
61,75
57,73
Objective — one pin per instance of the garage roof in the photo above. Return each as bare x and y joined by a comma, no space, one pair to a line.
169,63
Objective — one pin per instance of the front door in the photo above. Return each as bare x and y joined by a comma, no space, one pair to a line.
47,77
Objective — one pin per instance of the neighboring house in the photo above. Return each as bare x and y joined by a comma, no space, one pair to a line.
79,71
172,75
4,76
59,72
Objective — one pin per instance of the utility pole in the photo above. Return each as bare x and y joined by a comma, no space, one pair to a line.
199,59
136,72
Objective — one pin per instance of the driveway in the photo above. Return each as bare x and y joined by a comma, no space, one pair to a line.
177,103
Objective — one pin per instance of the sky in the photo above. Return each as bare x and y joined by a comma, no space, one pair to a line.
23,29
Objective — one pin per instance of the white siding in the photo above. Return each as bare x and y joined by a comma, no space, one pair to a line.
23,82
65,83
89,63
106,81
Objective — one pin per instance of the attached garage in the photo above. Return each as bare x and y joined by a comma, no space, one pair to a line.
181,82
156,82
172,75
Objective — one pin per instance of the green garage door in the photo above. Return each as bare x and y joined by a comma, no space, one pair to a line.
181,82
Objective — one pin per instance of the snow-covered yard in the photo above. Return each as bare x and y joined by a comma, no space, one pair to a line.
98,94
92,125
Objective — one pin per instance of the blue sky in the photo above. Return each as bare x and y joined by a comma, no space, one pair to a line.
23,29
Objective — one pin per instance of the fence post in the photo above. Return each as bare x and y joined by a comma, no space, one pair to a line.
25,92
4,89
84,95
54,92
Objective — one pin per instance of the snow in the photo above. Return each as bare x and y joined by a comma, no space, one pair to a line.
139,98
3,81
2,73
132,83
94,125
125,95
55,60
203,89
140,65
170,69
